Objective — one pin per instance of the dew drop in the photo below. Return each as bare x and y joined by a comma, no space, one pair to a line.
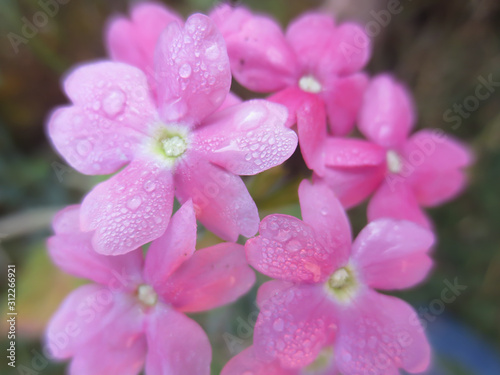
149,186
293,246
114,102
84,147
134,203
278,325
185,70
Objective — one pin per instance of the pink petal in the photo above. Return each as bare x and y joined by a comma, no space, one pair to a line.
134,41
387,115
435,163
379,335
85,315
309,36
172,249
130,209
113,108
261,59
74,254
231,99
393,254
294,325
353,185
293,98
323,212
122,352
221,199
176,344
349,153
247,363
343,98
212,277
192,69
348,52
67,220
289,249
311,127
248,138
396,200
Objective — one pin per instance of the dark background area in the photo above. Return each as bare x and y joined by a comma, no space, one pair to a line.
441,49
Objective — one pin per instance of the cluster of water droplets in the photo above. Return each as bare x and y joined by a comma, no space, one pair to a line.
371,347
283,336
289,248
195,56
136,209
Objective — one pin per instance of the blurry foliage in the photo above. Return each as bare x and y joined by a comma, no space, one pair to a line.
438,47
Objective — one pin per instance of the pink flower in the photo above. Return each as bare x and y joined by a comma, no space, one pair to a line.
174,139
405,172
246,363
324,293
314,57
134,313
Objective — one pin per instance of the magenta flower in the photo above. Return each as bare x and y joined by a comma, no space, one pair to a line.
171,140
314,58
246,363
324,295
405,172
134,313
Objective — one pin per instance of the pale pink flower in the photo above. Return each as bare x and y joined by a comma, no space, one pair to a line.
173,139
133,316
247,363
405,172
324,295
315,57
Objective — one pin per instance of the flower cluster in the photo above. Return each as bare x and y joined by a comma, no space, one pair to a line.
159,116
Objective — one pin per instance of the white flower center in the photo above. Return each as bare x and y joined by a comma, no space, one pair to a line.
342,284
147,295
174,146
394,163
310,84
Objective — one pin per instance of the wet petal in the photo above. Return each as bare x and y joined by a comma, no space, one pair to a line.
221,199
192,68
112,108
247,363
294,325
248,138
130,209
379,335
324,213
288,249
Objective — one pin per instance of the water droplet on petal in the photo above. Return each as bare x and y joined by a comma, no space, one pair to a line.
134,203
149,186
212,52
185,70
84,147
278,325
114,102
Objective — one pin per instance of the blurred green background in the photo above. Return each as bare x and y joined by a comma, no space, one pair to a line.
440,48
